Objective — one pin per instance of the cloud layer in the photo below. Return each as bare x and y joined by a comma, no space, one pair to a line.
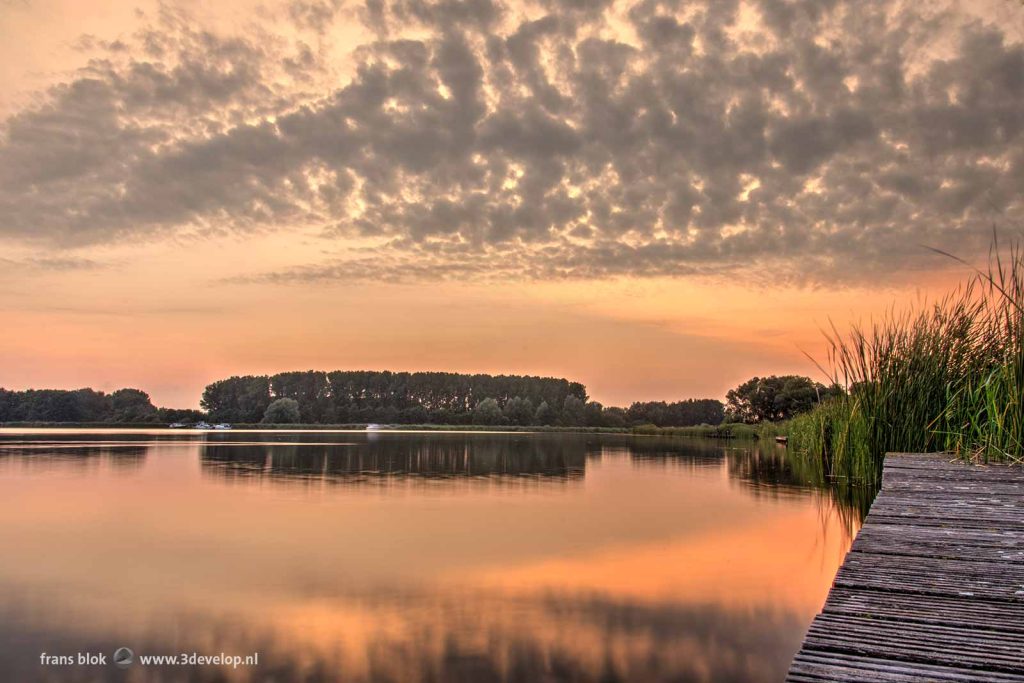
549,140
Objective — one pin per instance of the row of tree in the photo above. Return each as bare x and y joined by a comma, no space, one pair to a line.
390,397
450,398
573,412
679,414
86,405
416,398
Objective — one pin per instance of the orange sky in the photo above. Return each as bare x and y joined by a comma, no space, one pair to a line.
148,324
142,243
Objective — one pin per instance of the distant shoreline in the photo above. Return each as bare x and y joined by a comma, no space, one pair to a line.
725,431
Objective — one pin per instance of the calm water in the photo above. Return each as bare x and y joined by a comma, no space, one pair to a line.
409,558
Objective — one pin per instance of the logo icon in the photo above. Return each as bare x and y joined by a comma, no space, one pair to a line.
123,657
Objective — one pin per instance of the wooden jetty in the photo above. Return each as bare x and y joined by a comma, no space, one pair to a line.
933,587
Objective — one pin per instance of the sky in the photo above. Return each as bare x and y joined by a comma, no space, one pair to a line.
657,198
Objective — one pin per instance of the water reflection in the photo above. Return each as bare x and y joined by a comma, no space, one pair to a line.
691,455
489,459
583,639
430,558
70,458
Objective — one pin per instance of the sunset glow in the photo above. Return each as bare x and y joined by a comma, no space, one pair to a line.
656,200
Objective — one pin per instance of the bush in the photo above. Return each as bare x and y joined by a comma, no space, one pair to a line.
488,412
282,411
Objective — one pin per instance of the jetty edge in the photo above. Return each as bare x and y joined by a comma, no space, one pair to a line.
933,586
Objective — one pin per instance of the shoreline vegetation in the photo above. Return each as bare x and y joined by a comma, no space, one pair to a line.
435,398
723,431
945,377
431,400
362,397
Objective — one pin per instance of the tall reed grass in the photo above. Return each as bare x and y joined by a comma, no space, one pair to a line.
945,377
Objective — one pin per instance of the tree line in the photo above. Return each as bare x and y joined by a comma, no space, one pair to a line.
358,397
341,397
87,405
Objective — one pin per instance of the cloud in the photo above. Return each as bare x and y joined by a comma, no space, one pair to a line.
316,15
826,139
53,263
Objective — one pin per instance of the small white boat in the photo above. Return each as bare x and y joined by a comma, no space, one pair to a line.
373,427
202,425
177,425
222,425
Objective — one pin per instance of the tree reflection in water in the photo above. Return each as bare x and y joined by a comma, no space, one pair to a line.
453,638
505,461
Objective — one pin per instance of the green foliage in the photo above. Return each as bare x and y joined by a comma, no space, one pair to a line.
447,397
359,397
183,415
948,377
574,412
237,399
310,389
723,431
132,405
592,414
762,399
78,406
518,411
488,412
613,418
694,411
385,397
545,415
283,411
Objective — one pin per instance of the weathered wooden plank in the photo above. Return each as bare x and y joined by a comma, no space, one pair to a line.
933,576
909,533
813,667
974,501
939,549
926,460
964,613
936,568
943,461
1005,475
1003,539
912,642
953,509
951,512
933,521
933,587
940,461
955,488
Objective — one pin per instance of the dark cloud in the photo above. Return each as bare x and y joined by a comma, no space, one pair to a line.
831,139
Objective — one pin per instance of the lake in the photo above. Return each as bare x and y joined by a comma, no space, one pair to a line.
410,557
